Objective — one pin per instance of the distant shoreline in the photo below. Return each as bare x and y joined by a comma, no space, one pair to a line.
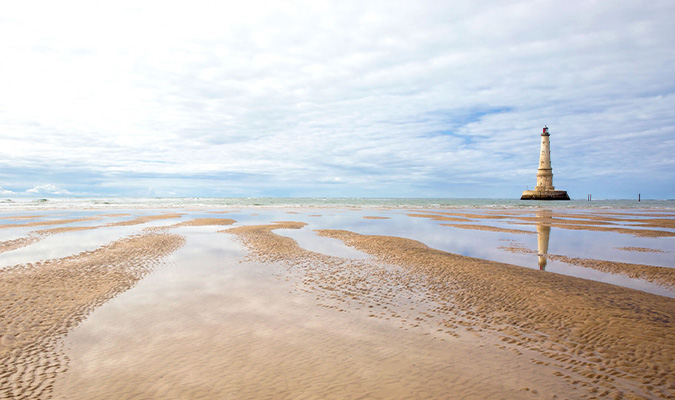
26,203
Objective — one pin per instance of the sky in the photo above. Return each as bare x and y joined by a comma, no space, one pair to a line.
336,98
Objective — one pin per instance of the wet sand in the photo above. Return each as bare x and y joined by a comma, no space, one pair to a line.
574,221
661,275
38,235
489,228
40,302
605,338
196,309
203,222
664,276
9,245
145,219
640,249
45,223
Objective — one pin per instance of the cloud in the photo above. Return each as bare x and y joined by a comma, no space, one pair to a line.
394,98
48,189
5,192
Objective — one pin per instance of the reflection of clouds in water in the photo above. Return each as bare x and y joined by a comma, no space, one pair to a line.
242,331
474,243
65,244
309,240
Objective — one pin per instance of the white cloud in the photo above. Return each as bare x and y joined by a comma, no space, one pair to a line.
301,92
48,189
5,192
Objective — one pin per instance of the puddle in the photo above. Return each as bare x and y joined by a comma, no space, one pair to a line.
64,245
468,242
309,240
205,325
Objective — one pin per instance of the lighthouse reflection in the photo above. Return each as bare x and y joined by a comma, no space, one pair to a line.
543,233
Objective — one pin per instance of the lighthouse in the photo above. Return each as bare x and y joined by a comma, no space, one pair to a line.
545,189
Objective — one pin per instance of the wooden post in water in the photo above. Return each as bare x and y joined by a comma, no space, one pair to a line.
638,197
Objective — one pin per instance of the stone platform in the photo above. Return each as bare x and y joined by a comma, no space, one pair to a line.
545,195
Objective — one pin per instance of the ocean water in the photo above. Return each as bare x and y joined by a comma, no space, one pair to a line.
194,202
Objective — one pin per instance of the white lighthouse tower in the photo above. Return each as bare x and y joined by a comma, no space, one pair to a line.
545,189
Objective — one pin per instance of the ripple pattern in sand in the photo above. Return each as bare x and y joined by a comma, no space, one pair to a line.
40,302
610,341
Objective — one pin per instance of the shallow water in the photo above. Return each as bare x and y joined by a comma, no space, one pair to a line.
208,324
222,328
475,243
308,240
69,243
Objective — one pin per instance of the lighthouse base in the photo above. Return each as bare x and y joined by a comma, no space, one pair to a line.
545,195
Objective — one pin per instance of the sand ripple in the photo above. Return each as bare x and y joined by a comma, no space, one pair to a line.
608,341
664,276
39,235
490,228
611,340
203,222
145,219
40,302
9,245
640,249
611,222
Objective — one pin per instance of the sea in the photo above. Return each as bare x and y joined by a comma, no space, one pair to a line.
301,202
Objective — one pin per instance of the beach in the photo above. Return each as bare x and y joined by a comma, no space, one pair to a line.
382,300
